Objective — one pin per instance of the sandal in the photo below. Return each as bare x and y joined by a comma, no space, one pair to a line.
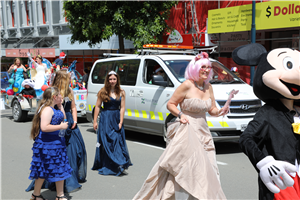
62,197
35,196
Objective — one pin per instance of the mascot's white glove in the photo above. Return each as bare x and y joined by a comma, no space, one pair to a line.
276,172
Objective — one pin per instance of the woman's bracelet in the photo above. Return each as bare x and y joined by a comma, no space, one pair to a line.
75,122
179,115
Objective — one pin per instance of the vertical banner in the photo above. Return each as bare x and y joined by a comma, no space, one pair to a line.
80,99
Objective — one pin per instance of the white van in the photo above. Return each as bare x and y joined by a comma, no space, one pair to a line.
147,94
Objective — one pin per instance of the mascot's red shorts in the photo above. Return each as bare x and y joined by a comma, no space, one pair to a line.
290,193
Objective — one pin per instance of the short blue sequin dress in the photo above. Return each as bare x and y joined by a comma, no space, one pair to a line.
50,160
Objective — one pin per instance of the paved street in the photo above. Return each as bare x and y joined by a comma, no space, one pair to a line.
238,177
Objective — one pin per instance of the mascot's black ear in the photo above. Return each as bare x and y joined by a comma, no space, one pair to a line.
248,54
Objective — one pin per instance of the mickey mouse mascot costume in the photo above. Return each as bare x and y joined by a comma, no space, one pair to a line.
270,140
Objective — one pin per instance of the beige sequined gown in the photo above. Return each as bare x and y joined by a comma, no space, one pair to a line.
188,165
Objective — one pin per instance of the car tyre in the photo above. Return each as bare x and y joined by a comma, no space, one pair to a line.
17,112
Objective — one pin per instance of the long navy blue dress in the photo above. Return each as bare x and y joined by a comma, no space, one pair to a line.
112,156
77,156
76,152
50,160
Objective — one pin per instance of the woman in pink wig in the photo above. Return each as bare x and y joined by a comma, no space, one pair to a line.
187,169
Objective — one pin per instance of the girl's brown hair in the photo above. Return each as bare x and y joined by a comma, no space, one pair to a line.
46,101
105,91
15,61
62,81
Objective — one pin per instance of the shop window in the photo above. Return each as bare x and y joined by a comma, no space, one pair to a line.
65,17
12,14
43,4
288,39
27,13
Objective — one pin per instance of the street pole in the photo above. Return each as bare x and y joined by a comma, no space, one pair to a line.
253,38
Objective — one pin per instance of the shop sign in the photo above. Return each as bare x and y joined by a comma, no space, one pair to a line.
176,38
269,15
46,52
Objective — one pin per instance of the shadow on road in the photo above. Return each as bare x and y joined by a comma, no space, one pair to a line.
227,147
91,129
221,147
145,138
48,194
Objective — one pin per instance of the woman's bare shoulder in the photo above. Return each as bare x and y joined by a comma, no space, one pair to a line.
187,84
47,110
209,85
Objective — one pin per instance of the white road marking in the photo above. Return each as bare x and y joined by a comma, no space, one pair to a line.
161,148
221,163
148,145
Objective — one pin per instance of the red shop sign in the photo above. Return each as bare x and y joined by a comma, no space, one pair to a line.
45,52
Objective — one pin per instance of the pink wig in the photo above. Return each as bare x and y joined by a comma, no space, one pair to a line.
193,68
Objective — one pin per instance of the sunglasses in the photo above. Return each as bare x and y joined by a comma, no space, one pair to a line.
205,68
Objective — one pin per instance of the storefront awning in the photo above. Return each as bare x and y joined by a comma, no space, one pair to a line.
112,43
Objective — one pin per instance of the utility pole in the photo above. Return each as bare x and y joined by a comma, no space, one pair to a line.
253,39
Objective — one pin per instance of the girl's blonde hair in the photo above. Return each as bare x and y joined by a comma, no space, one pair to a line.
39,56
46,101
62,81
105,91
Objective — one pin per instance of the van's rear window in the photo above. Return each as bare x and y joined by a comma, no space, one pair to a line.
126,69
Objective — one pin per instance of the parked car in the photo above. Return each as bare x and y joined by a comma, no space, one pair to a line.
4,80
146,110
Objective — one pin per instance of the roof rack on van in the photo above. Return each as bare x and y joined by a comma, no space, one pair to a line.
212,49
159,51
176,49
118,55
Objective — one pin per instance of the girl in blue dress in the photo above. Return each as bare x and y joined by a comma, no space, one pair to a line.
17,68
112,156
49,160
74,141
